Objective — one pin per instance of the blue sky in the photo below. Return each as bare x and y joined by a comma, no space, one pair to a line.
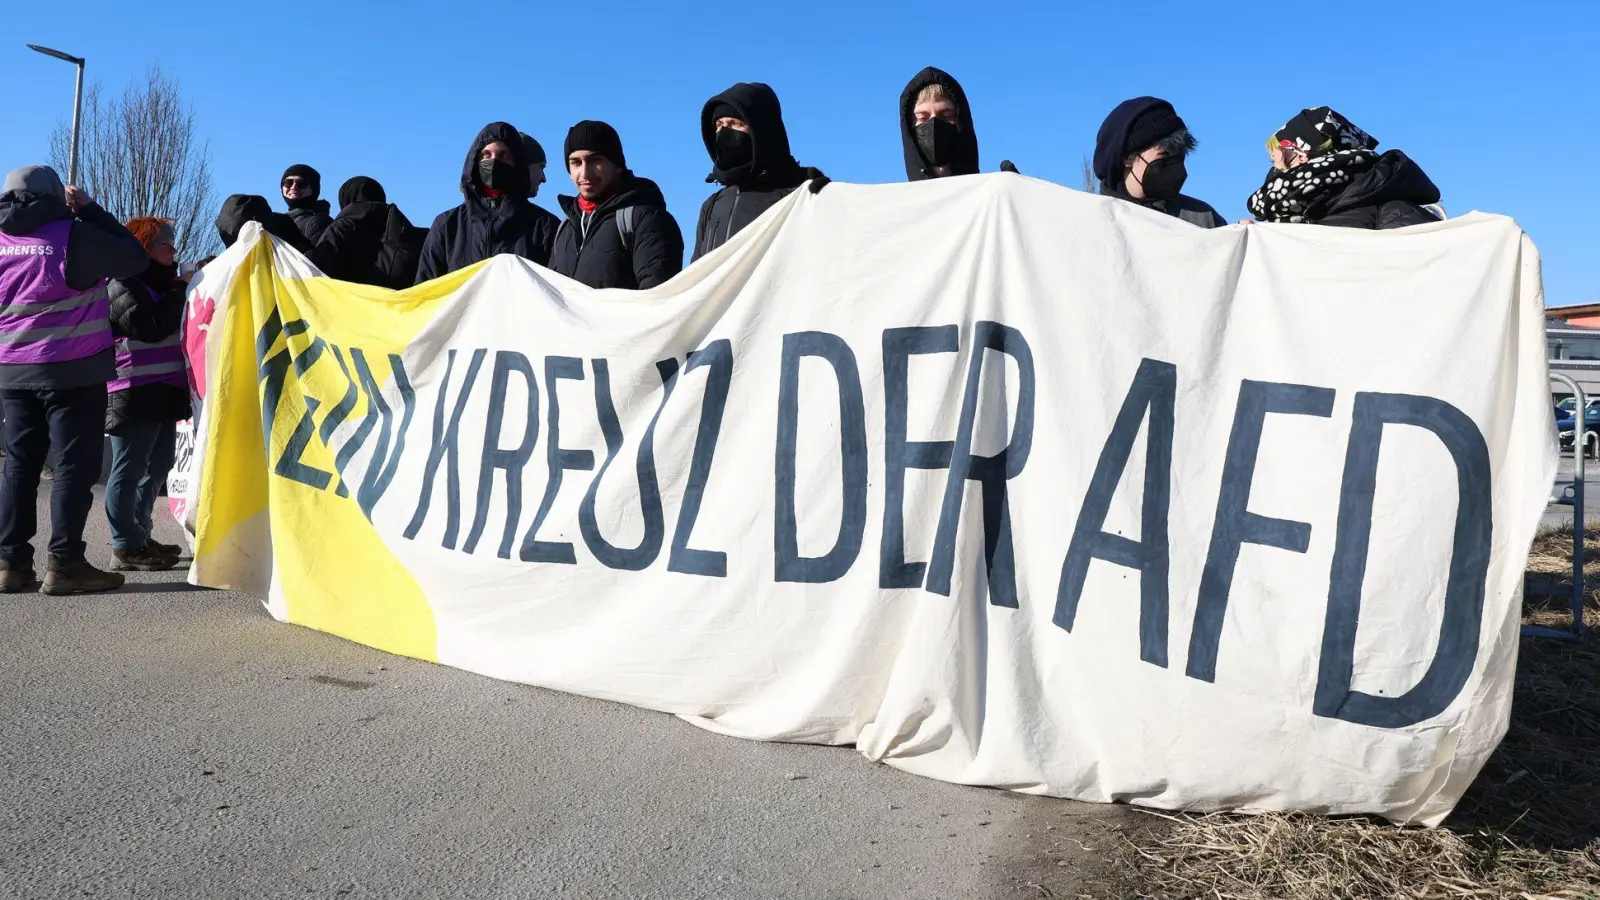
1496,101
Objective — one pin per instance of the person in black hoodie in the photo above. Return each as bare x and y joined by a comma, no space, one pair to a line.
241,208
743,131
1326,171
496,216
618,233
371,241
936,128
149,397
1139,157
54,368
302,190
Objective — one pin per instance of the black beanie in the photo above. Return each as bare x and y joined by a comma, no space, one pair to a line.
1134,125
595,137
301,170
532,149
724,111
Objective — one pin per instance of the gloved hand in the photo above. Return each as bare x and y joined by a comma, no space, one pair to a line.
817,179
1007,165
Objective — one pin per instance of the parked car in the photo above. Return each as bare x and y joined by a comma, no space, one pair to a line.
1566,424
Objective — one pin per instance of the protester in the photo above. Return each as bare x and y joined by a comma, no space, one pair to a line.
1326,171
536,165
149,397
371,241
618,233
936,127
241,208
57,248
302,189
496,216
749,146
1139,157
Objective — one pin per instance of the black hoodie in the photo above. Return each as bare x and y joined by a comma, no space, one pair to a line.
481,227
371,242
751,189
966,149
589,247
241,208
309,214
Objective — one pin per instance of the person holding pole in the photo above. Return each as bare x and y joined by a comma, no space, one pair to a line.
57,249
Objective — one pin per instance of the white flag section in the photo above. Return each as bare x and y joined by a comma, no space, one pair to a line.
1002,483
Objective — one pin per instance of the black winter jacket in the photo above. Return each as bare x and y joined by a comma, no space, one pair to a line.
1388,195
589,247
312,219
753,188
98,247
966,150
138,315
371,241
481,228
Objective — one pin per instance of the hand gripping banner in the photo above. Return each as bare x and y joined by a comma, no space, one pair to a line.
1002,483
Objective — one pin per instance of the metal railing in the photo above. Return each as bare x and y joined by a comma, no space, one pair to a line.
1571,495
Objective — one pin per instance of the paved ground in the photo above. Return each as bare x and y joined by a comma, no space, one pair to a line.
175,743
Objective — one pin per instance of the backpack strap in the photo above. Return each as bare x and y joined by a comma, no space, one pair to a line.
624,220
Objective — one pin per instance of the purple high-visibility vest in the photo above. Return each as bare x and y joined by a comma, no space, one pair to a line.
41,319
139,363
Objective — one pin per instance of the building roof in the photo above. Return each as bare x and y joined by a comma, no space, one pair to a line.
1582,309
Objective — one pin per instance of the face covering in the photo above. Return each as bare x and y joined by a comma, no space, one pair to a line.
936,138
496,175
1164,178
732,148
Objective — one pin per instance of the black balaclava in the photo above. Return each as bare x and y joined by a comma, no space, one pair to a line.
515,174
301,170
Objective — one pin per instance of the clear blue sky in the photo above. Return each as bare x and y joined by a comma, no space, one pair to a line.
1499,102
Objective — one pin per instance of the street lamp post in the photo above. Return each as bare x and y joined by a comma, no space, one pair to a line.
77,106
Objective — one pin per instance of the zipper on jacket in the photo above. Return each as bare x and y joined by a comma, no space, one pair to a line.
731,214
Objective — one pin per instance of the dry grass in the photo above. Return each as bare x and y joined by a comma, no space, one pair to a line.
1528,828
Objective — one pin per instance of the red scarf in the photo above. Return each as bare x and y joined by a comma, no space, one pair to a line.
587,206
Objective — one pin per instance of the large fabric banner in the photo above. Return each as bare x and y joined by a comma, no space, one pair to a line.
1002,483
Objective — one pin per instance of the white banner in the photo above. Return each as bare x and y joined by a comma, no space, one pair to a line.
1003,483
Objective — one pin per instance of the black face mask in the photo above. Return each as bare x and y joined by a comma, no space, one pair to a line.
732,148
936,138
1164,178
496,175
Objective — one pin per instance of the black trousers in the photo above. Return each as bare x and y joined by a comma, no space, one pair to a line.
72,422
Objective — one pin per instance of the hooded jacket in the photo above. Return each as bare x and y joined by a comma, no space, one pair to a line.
371,241
480,227
965,160
309,214
241,208
589,246
750,189
148,308
98,248
1111,148
1391,194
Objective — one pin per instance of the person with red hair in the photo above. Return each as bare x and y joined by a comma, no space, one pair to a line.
148,397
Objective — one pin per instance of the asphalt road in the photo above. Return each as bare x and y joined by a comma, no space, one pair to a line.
1557,514
177,743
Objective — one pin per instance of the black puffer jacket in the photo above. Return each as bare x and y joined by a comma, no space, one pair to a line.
481,228
1391,194
966,149
148,308
753,188
371,242
590,249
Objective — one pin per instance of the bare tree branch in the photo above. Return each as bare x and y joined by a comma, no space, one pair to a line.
138,156
1091,185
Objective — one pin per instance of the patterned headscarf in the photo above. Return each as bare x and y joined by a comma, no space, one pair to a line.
1335,151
